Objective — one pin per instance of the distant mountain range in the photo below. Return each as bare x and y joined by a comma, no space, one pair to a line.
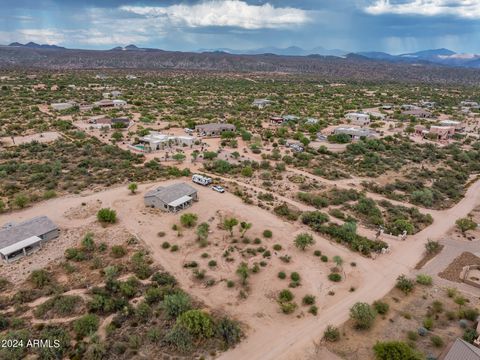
442,56
423,67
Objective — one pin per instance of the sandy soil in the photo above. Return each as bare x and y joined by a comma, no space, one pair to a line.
44,137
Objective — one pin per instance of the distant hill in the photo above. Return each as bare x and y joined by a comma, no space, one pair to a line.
288,51
354,67
33,45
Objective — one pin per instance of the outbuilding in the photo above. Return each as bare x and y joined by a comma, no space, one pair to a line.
17,240
214,129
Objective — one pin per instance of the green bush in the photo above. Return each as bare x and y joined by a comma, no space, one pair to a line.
331,333
198,323
436,341
405,284
304,240
176,304
180,338
308,300
282,275
393,350
118,251
288,307
107,215
335,277
188,220
363,315
267,234
285,295
229,331
40,278
86,325
424,279
381,307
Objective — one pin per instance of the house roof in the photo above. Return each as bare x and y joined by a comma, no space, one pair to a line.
462,350
212,127
20,245
171,193
36,226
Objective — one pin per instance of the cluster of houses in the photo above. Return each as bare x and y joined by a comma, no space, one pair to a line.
443,131
104,103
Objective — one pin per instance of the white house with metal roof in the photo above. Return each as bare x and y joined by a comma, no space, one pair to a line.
171,198
17,240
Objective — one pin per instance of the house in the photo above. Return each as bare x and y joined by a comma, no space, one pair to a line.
171,198
157,141
376,114
461,350
276,120
120,122
63,106
359,119
435,132
428,104
355,133
311,121
387,106
130,77
261,103
287,118
105,103
17,240
458,125
408,107
214,129
418,113
470,104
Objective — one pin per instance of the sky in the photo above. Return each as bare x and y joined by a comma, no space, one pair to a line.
394,26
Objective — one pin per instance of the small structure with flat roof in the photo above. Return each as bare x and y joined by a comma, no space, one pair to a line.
17,240
355,133
171,198
356,118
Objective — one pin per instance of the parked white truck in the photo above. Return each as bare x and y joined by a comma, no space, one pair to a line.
202,180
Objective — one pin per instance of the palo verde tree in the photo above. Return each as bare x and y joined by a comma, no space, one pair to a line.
244,227
229,224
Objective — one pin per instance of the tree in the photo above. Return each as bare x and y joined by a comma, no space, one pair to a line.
189,220
107,215
244,226
304,240
363,315
229,224
202,231
465,224
395,350
242,272
247,171
133,187
198,323
405,284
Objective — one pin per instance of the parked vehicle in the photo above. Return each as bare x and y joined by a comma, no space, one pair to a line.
202,180
218,188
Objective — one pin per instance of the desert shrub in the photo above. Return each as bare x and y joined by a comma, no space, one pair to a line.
107,215
313,310
432,247
4,283
143,312
198,323
428,323
285,295
424,279
335,277
229,331
288,307
405,284
381,307
129,287
87,243
314,219
40,278
468,313
188,220
117,251
62,305
267,234
277,247
465,224
324,258
153,295
180,338
176,304
331,333
469,335
282,275
390,350
165,245
76,254
412,335
86,325
436,341
363,315
308,300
